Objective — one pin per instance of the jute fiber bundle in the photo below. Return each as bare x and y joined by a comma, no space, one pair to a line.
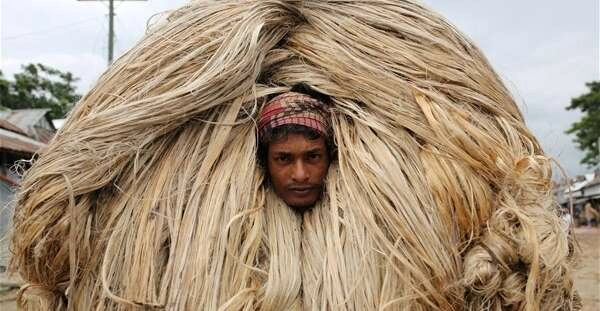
151,196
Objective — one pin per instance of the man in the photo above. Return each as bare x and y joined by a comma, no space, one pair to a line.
149,197
590,214
295,146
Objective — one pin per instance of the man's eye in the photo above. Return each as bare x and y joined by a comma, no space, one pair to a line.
314,156
283,158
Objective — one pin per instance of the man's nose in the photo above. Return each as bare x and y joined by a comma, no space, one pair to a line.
300,173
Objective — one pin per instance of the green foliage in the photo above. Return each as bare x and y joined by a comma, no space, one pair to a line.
39,86
587,130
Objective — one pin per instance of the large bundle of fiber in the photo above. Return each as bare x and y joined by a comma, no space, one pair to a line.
151,196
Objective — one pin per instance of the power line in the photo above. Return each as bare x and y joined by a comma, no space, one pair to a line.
111,29
48,30
96,44
124,26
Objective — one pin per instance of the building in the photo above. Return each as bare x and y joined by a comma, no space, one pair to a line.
35,123
23,134
578,191
591,190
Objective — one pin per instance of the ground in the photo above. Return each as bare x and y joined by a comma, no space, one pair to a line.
587,275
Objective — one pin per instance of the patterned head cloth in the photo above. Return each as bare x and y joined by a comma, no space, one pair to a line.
294,108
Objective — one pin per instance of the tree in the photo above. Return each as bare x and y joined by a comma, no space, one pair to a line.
587,130
39,86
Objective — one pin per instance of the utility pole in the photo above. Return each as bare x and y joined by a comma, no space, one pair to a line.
111,26
111,29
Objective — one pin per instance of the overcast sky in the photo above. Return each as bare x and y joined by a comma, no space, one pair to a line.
545,50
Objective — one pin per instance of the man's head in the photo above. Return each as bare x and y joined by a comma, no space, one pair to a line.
295,147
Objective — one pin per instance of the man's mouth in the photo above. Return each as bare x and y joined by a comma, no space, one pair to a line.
301,190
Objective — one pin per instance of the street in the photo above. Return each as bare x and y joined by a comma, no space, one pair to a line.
587,275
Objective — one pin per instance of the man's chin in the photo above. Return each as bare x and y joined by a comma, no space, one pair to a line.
300,206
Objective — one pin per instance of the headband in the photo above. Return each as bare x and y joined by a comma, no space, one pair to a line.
294,108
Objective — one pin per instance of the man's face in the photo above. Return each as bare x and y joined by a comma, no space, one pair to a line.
297,167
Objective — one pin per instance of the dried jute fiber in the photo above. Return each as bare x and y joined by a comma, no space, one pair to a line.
151,195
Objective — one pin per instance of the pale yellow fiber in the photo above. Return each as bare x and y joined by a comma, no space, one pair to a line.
151,195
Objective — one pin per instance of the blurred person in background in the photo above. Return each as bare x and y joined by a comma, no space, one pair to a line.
591,215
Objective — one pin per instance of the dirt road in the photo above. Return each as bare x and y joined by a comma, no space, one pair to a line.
587,275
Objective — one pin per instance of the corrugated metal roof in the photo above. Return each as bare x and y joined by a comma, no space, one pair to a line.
593,182
44,135
5,124
19,143
23,118
9,181
576,186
